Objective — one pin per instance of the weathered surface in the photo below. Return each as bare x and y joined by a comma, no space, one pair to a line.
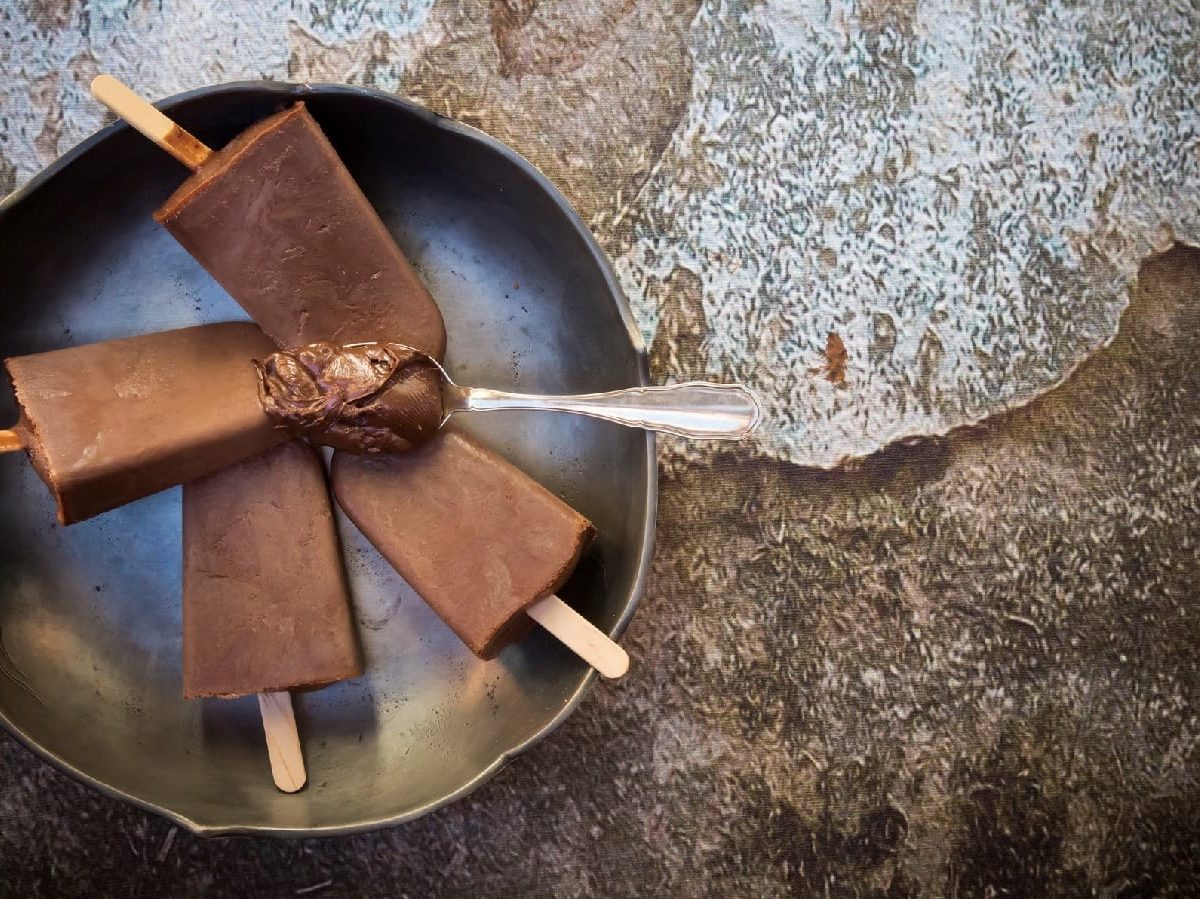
964,665
589,92
963,192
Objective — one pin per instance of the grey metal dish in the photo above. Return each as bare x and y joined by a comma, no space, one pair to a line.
90,614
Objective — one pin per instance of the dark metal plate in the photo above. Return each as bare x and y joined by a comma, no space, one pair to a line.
90,615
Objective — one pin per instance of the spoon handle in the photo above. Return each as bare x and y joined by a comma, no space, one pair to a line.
693,409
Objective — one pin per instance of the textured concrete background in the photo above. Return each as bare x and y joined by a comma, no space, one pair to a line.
963,663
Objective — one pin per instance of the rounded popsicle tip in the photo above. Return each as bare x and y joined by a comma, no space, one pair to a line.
124,103
104,84
144,117
614,664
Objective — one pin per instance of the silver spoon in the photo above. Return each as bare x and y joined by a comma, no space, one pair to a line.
696,409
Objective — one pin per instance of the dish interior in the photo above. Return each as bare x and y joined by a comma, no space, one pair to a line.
90,615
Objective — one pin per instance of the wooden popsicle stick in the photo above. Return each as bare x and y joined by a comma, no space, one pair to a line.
283,740
580,636
11,441
145,118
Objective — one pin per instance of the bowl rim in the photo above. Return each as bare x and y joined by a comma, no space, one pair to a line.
299,91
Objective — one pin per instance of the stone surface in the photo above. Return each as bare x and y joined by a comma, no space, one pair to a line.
963,664
962,191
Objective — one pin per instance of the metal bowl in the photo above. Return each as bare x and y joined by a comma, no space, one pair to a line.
90,615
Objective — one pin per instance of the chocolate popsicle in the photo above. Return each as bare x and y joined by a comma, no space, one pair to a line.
111,422
474,536
279,222
265,601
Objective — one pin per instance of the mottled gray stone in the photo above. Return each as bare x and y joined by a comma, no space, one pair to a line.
980,181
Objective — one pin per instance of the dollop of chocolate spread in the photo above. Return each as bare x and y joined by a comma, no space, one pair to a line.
364,398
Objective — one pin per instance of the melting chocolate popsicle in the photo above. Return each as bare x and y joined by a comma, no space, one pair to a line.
111,422
277,219
265,602
472,534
